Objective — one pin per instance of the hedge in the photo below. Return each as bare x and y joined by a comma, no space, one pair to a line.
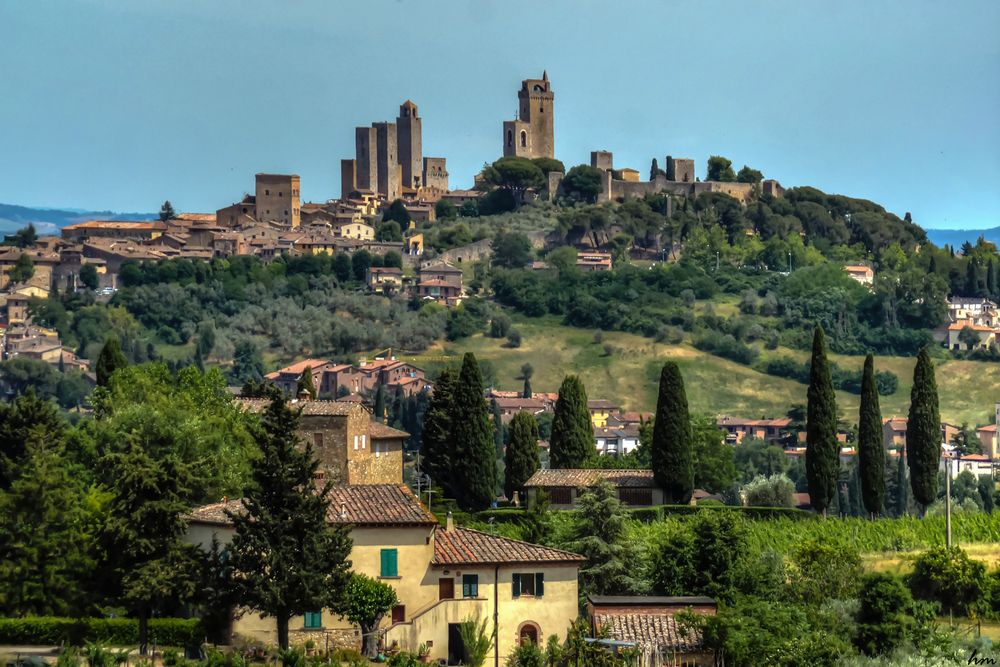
648,514
50,630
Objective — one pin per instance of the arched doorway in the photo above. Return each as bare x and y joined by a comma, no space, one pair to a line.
528,632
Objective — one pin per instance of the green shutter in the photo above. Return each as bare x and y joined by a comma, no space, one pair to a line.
470,585
313,620
539,585
390,566
515,580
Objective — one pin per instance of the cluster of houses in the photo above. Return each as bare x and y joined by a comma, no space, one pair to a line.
973,322
443,574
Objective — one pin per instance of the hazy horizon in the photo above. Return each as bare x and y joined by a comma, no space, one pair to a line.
115,105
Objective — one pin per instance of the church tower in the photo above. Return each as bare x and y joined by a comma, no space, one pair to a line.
531,135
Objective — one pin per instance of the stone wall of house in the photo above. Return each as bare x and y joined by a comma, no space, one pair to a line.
384,466
328,435
326,639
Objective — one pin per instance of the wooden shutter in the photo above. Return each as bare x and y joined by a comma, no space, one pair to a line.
389,563
539,585
515,580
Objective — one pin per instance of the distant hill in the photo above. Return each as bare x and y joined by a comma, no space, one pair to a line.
50,221
956,237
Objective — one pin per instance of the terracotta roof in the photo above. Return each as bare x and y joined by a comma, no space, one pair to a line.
991,428
151,225
310,407
736,421
601,404
858,269
963,324
351,399
649,632
380,431
519,403
356,505
579,477
298,367
464,546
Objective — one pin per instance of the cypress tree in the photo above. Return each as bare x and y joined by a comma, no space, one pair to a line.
902,499
497,430
379,408
109,360
305,383
521,460
473,465
972,277
822,450
435,442
923,432
991,280
286,559
871,452
673,463
572,440
526,392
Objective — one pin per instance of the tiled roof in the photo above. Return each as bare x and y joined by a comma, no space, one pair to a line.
463,546
317,407
579,477
519,403
380,431
736,421
601,404
434,283
992,428
298,367
649,632
357,505
857,269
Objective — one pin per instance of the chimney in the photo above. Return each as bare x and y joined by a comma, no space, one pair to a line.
449,522
343,511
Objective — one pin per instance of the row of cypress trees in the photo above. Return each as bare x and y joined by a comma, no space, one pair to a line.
923,435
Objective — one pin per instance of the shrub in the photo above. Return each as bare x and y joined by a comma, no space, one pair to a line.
48,630
513,338
404,659
950,578
772,491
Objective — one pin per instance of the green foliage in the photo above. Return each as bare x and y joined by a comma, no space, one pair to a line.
822,449
286,559
248,364
720,169
600,537
771,491
572,440
951,579
923,431
583,183
511,250
822,571
527,654
47,531
26,417
516,174
672,455
109,361
361,261
887,616
366,602
167,211
88,276
23,269
389,231
521,457
25,237
476,641
714,464
435,448
748,175
547,164
871,450
472,469
50,631
306,384
445,210
397,212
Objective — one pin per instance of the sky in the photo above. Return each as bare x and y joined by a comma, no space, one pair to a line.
121,104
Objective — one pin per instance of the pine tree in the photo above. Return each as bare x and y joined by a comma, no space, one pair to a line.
46,537
871,451
167,211
923,432
285,558
379,408
473,466
109,360
822,450
572,441
435,445
673,463
148,565
522,453
902,499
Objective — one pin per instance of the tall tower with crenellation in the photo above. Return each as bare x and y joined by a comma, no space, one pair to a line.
531,134
410,148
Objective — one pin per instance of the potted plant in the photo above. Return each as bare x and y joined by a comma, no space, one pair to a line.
310,646
424,653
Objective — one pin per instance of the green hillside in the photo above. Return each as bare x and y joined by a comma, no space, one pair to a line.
968,389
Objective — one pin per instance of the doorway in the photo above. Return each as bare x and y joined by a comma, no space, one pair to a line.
456,649
446,588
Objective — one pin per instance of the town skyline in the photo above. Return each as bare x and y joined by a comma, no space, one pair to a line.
324,89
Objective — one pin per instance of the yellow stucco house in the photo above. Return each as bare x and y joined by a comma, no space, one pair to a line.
443,575
600,409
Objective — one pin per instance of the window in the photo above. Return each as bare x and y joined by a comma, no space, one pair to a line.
389,563
317,440
510,138
267,192
524,139
281,194
313,620
376,448
363,442
355,442
636,497
528,585
470,585
399,613
528,633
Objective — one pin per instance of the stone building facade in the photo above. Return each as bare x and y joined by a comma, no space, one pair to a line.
531,134
411,153
366,164
277,199
435,174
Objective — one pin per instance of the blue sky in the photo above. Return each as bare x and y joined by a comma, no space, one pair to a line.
122,104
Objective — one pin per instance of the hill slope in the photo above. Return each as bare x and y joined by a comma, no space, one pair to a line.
49,221
956,237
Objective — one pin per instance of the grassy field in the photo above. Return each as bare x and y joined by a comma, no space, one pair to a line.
967,389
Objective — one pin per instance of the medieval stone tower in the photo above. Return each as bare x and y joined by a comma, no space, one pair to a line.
408,136
531,134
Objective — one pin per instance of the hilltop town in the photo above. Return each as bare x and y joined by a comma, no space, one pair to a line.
577,415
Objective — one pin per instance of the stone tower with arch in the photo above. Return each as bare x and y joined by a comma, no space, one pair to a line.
531,134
